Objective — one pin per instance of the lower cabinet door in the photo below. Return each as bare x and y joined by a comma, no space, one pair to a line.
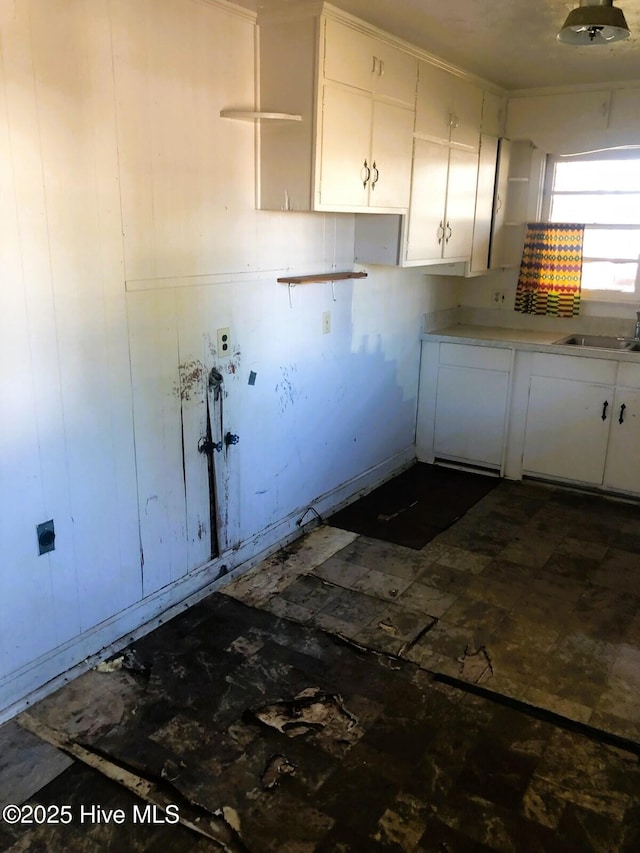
567,429
470,414
622,471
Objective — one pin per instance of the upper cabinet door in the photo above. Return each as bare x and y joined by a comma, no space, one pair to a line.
433,117
348,56
426,229
449,108
360,60
485,193
466,108
397,75
391,149
343,158
461,196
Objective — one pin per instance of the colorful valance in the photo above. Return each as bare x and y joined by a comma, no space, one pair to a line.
551,270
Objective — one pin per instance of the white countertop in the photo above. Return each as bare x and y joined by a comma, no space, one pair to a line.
523,339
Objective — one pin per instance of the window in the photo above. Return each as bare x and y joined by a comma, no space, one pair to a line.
602,191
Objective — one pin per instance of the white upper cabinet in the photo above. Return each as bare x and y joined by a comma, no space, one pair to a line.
366,152
449,108
356,95
486,200
442,203
358,59
452,182
445,167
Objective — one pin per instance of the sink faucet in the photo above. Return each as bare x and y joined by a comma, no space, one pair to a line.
636,331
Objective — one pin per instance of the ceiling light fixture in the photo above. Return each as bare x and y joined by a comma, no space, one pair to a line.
594,22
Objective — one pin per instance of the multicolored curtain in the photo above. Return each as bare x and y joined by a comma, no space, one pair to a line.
551,270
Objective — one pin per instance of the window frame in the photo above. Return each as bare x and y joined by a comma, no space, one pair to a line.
631,153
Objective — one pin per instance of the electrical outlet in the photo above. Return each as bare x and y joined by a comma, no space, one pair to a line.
46,537
224,342
326,322
499,297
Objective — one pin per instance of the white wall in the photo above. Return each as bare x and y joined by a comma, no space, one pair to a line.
129,236
478,306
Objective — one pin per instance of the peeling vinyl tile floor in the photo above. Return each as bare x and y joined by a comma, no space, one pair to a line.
533,594
479,694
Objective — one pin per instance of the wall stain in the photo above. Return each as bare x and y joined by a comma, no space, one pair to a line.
286,388
191,379
148,501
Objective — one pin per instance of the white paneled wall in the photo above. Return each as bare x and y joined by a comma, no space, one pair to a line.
62,276
129,237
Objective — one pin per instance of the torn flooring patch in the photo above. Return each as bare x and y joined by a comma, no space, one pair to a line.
310,710
277,766
475,665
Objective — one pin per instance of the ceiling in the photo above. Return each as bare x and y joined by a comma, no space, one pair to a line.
509,42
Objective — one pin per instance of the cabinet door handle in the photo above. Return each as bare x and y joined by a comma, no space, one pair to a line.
365,179
621,418
450,230
498,204
375,62
377,175
605,406
440,233
380,67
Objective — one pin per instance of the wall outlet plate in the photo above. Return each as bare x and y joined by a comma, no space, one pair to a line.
224,342
326,322
46,537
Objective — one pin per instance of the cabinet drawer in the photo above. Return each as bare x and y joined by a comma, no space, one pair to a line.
571,367
468,355
629,374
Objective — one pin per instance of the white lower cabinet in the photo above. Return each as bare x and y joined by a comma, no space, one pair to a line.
622,469
470,415
568,418
463,417
580,430
566,434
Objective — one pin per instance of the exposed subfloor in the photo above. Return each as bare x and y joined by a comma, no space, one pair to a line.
481,693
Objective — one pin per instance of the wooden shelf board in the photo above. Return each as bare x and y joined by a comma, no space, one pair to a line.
251,115
328,276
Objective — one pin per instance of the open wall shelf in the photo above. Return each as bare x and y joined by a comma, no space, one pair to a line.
329,276
252,115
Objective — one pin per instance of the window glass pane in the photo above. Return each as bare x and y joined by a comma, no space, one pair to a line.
604,275
614,210
597,175
623,244
603,192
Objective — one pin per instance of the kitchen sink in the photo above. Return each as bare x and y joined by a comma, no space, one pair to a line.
600,342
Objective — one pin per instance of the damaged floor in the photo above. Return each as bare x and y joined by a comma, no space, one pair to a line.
351,695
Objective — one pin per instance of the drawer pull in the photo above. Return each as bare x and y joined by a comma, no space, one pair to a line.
605,406
621,418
